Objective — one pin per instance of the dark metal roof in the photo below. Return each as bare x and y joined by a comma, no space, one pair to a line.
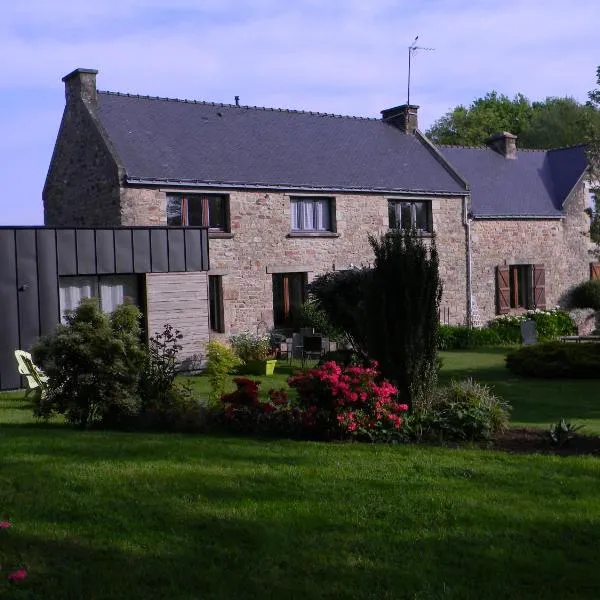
534,185
158,139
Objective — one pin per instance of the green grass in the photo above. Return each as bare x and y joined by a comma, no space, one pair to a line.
108,515
536,402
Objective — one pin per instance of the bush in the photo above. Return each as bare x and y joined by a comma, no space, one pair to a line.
93,362
166,404
312,315
402,318
464,338
243,412
463,410
347,402
221,361
556,360
251,346
586,295
549,325
342,357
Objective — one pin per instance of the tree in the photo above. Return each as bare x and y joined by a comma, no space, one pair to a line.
402,301
593,150
551,123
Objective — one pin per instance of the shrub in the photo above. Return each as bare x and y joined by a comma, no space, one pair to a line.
342,357
312,315
346,402
93,362
166,404
403,297
252,347
464,338
245,413
586,295
556,360
562,432
549,325
462,410
341,295
221,361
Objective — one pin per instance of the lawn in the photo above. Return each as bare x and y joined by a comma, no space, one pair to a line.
108,515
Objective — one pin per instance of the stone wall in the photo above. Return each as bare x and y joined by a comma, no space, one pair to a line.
82,186
261,244
561,245
181,300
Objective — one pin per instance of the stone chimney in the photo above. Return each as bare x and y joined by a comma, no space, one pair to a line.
504,143
403,117
81,84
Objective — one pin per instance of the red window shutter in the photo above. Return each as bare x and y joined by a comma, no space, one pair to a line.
595,270
503,289
539,286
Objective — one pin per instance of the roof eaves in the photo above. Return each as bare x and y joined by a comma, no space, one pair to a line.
284,186
518,217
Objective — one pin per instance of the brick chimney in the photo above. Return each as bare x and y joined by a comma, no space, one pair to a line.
403,117
81,84
504,143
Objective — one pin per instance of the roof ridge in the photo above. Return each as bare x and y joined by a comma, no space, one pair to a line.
246,107
460,146
580,145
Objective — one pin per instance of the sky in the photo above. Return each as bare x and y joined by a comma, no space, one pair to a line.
341,56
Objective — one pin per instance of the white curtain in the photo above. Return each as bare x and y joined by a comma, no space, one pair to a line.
311,214
114,290
322,215
308,214
72,290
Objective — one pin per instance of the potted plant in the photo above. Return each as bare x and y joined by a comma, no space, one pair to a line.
256,351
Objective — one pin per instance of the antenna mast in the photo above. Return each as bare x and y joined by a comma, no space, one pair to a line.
411,50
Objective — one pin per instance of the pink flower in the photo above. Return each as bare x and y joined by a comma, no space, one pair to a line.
18,575
5,524
403,407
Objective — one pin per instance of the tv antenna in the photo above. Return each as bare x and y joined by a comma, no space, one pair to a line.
411,50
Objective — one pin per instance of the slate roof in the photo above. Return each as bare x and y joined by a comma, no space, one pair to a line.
211,144
534,185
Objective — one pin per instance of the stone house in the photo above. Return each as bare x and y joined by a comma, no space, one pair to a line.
288,195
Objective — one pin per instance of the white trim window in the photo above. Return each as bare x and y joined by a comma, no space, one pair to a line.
311,214
110,289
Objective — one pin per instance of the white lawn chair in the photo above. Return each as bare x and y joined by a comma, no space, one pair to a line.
37,380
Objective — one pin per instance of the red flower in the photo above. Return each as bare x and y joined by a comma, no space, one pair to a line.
403,407
18,575
5,524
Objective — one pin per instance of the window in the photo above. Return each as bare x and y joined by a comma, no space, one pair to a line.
205,210
215,299
111,289
410,215
289,294
520,287
312,214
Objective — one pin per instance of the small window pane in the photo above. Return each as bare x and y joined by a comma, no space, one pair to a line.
421,221
72,290
115,288
194,210
216,212
215,296
174,216
406,220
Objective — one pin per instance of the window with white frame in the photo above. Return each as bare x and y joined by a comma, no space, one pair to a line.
312,214
405,214
110,289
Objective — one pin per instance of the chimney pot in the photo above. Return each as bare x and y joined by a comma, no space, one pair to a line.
404,117
81,84
504,143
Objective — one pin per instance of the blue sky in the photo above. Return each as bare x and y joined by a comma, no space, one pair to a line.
346,57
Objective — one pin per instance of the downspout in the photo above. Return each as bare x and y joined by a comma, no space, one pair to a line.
467,224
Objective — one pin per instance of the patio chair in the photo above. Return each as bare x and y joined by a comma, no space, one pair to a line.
312,347
37,380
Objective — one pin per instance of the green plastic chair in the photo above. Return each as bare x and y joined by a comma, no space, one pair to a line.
37,380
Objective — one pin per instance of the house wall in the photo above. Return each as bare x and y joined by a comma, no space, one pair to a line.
561,245
82,186
260,244
181,300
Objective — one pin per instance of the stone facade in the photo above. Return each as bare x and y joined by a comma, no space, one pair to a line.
561,245
261,244
82,186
